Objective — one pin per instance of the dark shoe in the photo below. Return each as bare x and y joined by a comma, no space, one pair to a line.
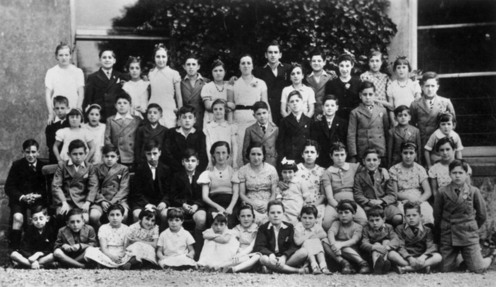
386,267
379,265
345,267
364,268
227,270
400,269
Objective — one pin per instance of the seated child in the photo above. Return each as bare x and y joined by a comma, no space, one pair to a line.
447,124
220,243
376,238
74,182
373,187
142,239
403,132
175,245
25,187
112,237
114,185
343,239
294,196
245,232
308,234
459,211
417,249
37,244
150,130
61,108
275,241
74,240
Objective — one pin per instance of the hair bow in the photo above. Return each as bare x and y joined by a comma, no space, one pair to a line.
214,214
287,161
91,106
150,207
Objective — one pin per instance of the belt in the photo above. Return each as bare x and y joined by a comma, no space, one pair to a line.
243,107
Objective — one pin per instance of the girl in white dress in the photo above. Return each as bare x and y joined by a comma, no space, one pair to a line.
165,85
138,89
217,89
66,135
142,238
96,130
296,75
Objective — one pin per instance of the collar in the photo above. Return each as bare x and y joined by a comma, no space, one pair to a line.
127,116
216,124
439,134
298,118
33,164
252,228
300,89
154,126
334,169
427,100
57,119
266,125
69,163
109,70
151,167
179,130
380,228
199,77
283,226
324,73
420,227
192,175
278,64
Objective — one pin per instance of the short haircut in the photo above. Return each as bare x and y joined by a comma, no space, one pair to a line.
371,151
309,209
74,211
376,211
260,105
402,61
173,213
248,207
411,205
311,143
106,49
217,63
151,144
29,143
346,57
400,109
132,60
256,145
375,53
158,47
274,43
458,163
294,93
92,107
123,95
317,52
445,117
75,112
60,100
337,146
366,85
146,213
429,75
247,55
407,145
444,141
275,202
61,46
38,208
186,109
330,97
189,152
347,204
116,206
220,218
154,106
191,56
294,66
75,144
110,148
219,144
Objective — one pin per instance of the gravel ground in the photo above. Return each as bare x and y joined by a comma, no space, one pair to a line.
75,277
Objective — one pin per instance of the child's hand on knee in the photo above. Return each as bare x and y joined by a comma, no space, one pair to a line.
35,265
272,259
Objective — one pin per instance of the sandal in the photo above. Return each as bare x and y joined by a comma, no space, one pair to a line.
316,271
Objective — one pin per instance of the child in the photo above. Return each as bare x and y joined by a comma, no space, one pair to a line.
402,132
214,90
368,126
220,244
459,211
295,194
165,84
343,239
141,241
121,129
318,78
275,241
192,85
425,110
295,73
74,182
112,237
150,130
294,130
329,129
152,184
113,188
221,130
447,124
378,238
245,233
183,137
103,85
373,187
96,130
64,79
74,240
175,245
37,244
74,132
60,108
308,235
345,88
263,131
417,249
25,187
380,80
402,90
138,89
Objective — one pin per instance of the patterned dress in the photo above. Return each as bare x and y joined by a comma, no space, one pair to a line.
380,81
440,172
314,179
115,238
141,250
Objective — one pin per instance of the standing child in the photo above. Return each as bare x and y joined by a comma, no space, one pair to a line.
294,129
96,130
343,239
165,84
138,89
378,238
121,129
459,211
175,245
60,108
221,130
417,249
142,238
296,75
402,132
65,136
192,85
112,237
37,244
113,188
318,78
380,80
294,196
150,130
263,131
308,234
447,124
214,90
74,240
368,126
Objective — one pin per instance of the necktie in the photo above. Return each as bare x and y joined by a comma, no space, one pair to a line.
431,104
457,191
329,124
33,168
415,231
264,129
108,74
371,174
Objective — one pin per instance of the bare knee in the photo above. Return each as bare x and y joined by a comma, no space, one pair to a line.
58,253
200,219
264,260
136,213
397,220
95,216
18,218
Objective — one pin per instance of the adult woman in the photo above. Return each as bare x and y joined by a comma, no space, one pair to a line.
338,181
410,181
244,93
257,182
215,90
220,186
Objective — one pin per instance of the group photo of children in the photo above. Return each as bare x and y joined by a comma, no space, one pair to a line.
274,170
